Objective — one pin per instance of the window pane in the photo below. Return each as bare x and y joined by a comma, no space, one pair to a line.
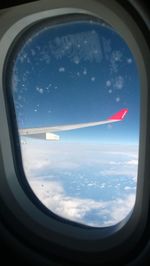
73,73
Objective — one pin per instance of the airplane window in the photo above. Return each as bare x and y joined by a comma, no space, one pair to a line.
76,94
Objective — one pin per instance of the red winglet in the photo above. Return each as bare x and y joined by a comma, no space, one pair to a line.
119,115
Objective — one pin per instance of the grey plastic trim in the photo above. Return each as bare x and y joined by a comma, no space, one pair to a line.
12,24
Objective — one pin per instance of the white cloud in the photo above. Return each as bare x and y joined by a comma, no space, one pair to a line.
51,193
122,207
53,196
133,162
45,163
127,188
128,151
116,163
124,162
39,156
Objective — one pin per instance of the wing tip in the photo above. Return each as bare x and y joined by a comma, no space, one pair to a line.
119,115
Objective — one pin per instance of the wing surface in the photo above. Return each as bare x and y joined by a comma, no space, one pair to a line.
119,116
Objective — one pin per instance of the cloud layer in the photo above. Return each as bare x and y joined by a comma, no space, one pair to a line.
86,183
80,210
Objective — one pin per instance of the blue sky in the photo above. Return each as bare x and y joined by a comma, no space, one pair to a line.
77,72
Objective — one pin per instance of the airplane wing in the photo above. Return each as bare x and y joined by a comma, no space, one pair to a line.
48,132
